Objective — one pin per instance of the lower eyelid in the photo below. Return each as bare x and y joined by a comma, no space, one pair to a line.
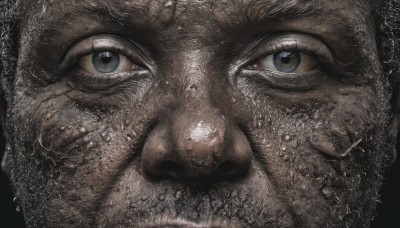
287,81
82,81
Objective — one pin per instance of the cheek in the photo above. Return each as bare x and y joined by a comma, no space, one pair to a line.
71,150
316,151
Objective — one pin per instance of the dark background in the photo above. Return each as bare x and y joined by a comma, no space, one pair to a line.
388,211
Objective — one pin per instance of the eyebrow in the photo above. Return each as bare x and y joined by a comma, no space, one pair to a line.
263,10
257,12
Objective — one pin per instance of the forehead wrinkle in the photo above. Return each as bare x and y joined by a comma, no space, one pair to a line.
45,19
49,13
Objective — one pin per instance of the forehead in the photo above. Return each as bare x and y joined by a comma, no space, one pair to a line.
230,10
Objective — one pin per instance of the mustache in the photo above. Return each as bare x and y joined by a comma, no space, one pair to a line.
241,203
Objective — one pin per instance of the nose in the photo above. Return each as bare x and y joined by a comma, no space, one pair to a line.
197,144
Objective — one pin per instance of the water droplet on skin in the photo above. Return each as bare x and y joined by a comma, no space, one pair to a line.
161,197
284,148
129,138
133,204
326,191
115,127
286,138
260,124
127,122
303,186
48,116
178,195
234,194
62,128
169,4
295,144
90,145
18,209
144,197
82,130
105,136
286,158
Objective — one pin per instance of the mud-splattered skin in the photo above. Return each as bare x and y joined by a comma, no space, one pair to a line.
196,129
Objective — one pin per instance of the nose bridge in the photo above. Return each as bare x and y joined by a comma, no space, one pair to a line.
194,76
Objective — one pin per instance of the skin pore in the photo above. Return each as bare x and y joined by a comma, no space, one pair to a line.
198,114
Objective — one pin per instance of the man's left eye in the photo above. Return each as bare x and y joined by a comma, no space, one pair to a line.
286,62
293,62
105,62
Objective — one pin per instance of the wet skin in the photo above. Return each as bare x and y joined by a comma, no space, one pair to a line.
198,114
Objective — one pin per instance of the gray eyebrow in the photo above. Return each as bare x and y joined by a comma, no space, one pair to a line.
262,10
255,12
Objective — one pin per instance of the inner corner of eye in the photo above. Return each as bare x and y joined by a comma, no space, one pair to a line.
253,65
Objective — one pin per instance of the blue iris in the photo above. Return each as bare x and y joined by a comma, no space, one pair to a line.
105,61
286,61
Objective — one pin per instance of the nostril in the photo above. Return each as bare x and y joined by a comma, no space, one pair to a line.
227,168
171,167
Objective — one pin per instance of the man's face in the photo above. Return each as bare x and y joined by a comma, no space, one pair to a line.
198,113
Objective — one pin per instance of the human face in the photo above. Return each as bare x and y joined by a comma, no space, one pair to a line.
198,113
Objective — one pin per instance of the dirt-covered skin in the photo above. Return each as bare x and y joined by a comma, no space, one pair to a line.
196,132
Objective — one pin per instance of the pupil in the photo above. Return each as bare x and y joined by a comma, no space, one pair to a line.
286,57
286,61
106,57
106,61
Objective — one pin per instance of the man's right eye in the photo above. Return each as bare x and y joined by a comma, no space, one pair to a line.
106,62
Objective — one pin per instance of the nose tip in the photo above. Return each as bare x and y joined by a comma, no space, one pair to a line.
195,146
